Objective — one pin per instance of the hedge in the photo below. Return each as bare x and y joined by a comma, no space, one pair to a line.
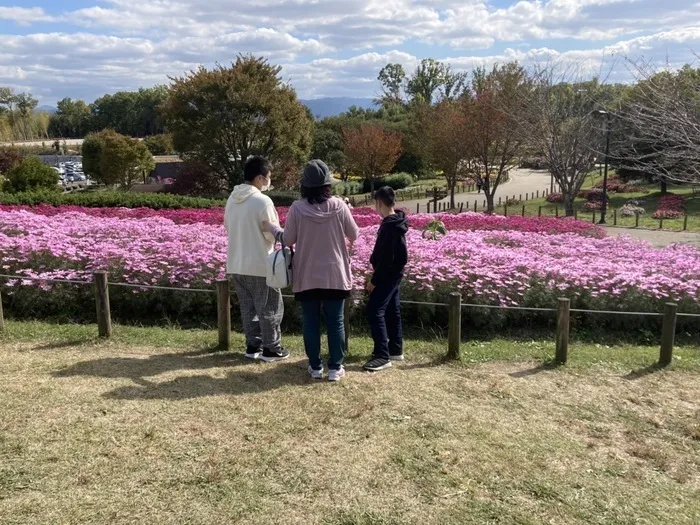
397,181
112,199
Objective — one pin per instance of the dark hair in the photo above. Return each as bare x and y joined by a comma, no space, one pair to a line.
316,195
255,166
386,195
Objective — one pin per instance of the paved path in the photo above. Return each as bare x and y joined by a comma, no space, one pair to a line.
521,182
656,237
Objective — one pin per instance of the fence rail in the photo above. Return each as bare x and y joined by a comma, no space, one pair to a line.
563,312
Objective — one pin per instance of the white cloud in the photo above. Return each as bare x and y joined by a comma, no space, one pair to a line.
328,47
24,16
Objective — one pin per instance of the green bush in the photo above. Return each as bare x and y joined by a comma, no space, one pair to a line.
396,181
106,199
348,188
31,174
160,144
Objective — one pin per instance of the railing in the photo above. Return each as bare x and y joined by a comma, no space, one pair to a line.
563,313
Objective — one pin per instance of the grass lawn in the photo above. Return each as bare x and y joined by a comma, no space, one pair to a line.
151,427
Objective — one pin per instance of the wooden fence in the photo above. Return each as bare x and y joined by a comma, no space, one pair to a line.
455,307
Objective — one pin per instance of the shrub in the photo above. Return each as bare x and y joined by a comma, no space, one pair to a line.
593,205
348,188
118,199
555,197
31,174
630,210
9,158
670,207
512,201
534,163
395,181
197,179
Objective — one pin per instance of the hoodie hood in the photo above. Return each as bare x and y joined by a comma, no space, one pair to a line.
396,221
242,192
320,213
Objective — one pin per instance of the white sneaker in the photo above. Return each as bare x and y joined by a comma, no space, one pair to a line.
315,374
336,375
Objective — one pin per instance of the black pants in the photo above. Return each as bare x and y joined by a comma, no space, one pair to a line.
384,315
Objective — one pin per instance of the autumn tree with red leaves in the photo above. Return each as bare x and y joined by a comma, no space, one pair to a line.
371,151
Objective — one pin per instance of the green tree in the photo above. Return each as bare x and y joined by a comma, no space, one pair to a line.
393,80
132,113
72,119
220,117
428,77
160,144
124,160
92,155
31,174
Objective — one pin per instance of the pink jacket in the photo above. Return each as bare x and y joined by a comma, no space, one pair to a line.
321,258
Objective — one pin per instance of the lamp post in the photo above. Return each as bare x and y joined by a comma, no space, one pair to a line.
604,206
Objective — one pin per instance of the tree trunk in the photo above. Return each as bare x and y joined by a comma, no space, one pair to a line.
371,187
664,186
489,202
569,205
452,196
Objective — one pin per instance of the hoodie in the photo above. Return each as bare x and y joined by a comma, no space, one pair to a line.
321,259
390,254
248,245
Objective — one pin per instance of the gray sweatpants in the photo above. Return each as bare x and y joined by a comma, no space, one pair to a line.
261,311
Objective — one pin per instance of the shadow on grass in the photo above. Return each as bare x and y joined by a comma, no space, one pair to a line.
60,345
236,382
544,367
643,372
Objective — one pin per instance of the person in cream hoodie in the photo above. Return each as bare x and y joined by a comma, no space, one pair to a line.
248,247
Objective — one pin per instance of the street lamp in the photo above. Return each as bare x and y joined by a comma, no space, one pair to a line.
604,207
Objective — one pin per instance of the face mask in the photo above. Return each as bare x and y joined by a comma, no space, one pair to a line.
268,183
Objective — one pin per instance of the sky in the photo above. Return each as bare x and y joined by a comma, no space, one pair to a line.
328,48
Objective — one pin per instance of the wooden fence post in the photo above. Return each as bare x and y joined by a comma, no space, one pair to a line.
636,220
223,302
461,207
521,196
685,222
538,194
505,210
475,205
661,224
523,210
539,211
454,333
668,334
593,220
484,204
556,211
575,214
499,201
418,207
2,319
615,217
562,348
104,317
428,207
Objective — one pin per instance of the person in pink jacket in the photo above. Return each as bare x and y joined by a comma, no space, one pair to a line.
319,224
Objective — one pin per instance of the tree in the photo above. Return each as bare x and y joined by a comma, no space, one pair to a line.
371,151
447,140
116,160
660,117
72,119
132,113
495,111
220,117
91,152
560,124
328,145
160,144
393,80
31,175
428,77
124,160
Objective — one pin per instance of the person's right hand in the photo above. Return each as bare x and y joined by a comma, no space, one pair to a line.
266,225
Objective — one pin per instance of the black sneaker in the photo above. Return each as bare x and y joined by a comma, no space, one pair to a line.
396,357
376,364
253,352
270,356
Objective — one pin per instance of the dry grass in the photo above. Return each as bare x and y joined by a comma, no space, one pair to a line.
124,433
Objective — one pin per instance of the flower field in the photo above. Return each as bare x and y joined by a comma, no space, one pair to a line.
490,259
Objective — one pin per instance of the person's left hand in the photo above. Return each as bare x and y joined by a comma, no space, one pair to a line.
370,287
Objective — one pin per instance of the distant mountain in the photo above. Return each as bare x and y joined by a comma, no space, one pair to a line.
331,106
46,109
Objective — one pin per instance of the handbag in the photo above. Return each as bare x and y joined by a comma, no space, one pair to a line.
279,265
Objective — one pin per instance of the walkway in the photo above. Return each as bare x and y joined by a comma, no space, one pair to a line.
521,182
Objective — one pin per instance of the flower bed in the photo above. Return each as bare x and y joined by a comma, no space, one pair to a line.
490,260
670,207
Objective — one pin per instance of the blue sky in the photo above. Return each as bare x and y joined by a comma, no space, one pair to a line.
85,48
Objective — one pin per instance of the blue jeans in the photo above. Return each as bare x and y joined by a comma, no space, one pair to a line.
333,311
384,316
